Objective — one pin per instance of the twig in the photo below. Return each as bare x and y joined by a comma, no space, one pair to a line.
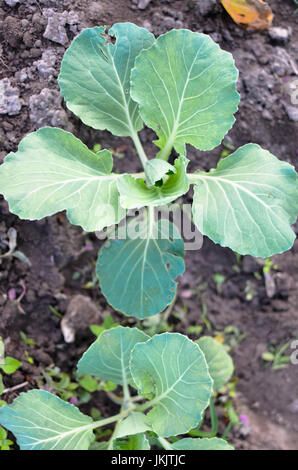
2,61
16,387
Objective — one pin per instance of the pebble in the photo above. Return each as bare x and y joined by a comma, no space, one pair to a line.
81,313
12,3
45,109
35,53
143,4
282,62
205,7
55,30
94,11
267,115
279,34
9,98
292,112
22,75
28,39
46,65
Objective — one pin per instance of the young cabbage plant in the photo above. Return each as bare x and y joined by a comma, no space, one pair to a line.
183,86
171,376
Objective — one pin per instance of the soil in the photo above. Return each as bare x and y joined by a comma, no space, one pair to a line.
30,54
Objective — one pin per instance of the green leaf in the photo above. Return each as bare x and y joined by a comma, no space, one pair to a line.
42,421
88,383
156,169
171,370
2,351
219,362
136,442
95,77
213,443
1,385
108,357
134,193
150,260
3,434
10,365
135,423
186,88
52,171
268,356
248,202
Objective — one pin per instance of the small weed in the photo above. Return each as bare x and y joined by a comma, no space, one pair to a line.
275,356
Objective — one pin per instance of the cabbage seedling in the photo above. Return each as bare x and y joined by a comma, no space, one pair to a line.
174,379
183,86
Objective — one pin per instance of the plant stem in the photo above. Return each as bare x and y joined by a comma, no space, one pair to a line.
114,398
139,147
166,153
112,419
126,397
112,438
100,423
214,424
136,398
214,419
165,444
227,430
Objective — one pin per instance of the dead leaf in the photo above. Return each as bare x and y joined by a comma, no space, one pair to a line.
255,14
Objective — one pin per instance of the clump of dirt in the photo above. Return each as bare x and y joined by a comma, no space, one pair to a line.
33,37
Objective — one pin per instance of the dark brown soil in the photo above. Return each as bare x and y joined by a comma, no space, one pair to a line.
57,250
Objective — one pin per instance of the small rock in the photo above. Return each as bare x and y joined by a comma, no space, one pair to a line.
55,30
148,25
81,313
267,115
281,62
72,18
25,23
279,34
46,110
11,31
12,3
9,98
94,11
293,407
143,4
28,39
292,112
205,7
169,23
38,22
35,53
22,75
73,21
270,285
46,65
